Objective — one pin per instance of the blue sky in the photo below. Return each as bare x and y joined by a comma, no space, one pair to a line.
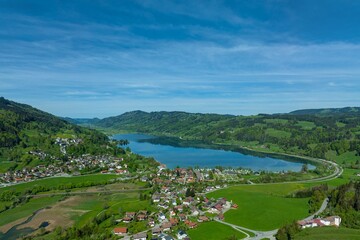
102,58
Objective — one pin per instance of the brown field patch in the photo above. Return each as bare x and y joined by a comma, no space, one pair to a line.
58,215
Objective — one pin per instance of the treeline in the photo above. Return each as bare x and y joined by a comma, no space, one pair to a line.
345,202
288,231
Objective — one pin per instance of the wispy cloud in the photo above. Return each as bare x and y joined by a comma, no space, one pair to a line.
171,56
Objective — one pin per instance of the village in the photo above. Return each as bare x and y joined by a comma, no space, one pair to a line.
179,206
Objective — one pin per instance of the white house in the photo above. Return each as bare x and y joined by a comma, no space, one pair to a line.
181,235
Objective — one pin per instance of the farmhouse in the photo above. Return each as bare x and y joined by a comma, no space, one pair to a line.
120,231
320,222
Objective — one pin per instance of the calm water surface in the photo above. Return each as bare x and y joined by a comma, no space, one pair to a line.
203,157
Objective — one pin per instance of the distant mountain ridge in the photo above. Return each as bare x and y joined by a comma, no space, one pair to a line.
127,116
328,111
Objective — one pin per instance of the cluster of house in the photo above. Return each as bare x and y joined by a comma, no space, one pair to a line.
184,176
112,164
26,175
75,164
320,222
64,142
174,209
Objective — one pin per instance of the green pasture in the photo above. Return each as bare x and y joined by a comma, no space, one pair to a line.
214,231
263,207
54,182
113,203
347,157
328,233
276,121
4,166
306,125
277,133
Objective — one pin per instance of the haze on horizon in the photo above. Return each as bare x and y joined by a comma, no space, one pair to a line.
102,58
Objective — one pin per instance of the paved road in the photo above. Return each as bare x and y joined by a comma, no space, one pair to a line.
322,208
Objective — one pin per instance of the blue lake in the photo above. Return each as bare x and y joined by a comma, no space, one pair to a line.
173,156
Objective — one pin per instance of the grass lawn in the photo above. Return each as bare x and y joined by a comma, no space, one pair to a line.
114,203
348,157
330,233
276,121
263,207
5,165
26,209
306,125
277,133
214,231
57,181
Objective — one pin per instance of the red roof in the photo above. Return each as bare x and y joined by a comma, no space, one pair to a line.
120,230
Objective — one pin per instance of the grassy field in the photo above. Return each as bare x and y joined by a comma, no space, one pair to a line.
306,125
263,207
26,209
57,181
277,133
214,231
114,203
328,233
348,157
4,166
276,121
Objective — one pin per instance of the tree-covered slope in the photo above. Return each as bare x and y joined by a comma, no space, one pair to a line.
24,129
162,122
325,136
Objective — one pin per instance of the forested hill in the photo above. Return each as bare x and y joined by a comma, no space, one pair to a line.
24,129
164,122
326,136
347,111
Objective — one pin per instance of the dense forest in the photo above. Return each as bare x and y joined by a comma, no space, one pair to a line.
323,133
24,129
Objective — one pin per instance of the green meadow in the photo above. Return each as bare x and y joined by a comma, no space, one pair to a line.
54,182
263,207
328,233
214,231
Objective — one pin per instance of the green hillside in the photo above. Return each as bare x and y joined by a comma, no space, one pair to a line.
326,136
24,129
